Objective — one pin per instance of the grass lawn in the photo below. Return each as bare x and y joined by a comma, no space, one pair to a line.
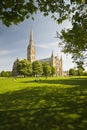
50,104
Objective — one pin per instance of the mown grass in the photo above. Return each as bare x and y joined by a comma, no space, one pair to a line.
50,104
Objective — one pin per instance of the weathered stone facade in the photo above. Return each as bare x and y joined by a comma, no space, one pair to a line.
31,51
53,60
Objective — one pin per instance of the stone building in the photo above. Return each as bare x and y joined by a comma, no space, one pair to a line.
31,51
31,56
52,60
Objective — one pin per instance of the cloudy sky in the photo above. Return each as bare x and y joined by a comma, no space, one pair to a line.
15,39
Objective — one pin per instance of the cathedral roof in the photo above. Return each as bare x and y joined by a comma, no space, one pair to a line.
45,60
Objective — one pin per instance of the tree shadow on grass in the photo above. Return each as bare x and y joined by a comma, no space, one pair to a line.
81,82
70,81
44,108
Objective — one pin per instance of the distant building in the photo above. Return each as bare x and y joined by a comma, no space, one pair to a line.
31,56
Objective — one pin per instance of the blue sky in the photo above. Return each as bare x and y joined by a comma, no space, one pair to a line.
15,39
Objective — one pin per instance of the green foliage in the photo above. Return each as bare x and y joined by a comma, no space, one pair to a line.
24,68
6,74
12,11
77,72
85,73
72,72
37,68
50,104
15,11
53,70
80,65
80,72
46,69
74,40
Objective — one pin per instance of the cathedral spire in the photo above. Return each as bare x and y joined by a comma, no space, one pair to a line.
31,51
31,35
61,58
52,55
52,59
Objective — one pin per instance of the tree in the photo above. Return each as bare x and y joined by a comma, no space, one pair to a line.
85,73
77,72
6,74
74,40
71,72
80,72
37,68
53,70
80,65
24,67
3,74
46,69
80,68
15,11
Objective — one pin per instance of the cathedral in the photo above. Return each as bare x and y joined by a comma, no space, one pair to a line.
54,61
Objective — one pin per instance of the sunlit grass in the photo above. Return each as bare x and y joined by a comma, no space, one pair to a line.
49,104
10,84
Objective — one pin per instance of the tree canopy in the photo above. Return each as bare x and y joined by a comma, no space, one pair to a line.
37,68
46,69
53,70
74,40
24,67
15,11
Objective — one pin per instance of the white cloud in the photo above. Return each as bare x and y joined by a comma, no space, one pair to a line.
47,45
4,52
6,63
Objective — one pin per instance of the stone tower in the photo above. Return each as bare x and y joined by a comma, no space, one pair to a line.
61,66
31,52
52,59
